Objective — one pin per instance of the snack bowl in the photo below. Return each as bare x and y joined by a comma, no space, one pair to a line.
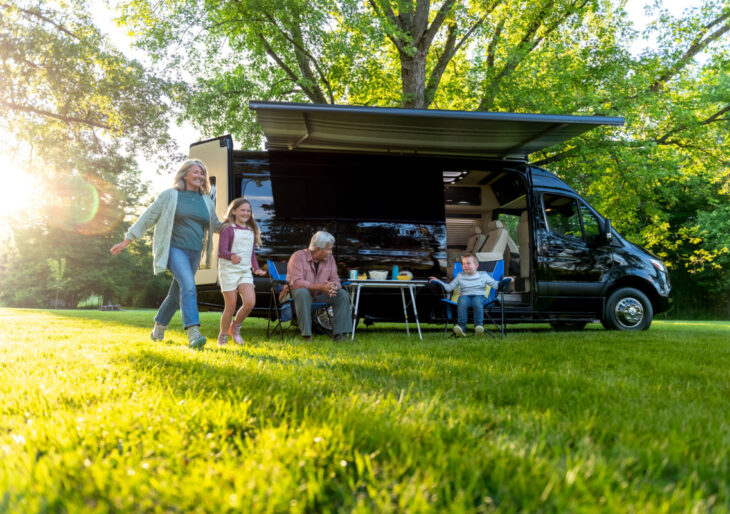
378,274
405,275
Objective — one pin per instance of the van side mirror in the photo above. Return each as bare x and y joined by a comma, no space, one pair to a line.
607,231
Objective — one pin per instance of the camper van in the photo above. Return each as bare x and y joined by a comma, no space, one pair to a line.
419,188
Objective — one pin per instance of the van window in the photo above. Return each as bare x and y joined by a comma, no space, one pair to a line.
591,225
561,213
372,188
571,218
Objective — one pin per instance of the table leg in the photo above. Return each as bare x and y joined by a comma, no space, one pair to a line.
415,312
357,306
405,310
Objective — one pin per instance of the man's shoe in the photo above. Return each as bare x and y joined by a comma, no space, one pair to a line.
459,331
479,330
340,337
307,338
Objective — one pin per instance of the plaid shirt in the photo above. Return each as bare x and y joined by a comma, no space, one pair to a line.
300,271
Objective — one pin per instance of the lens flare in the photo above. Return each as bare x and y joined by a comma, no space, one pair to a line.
88,205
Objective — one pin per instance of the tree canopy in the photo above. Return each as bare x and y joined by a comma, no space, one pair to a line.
78,110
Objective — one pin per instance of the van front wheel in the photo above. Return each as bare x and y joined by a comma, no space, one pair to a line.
627,309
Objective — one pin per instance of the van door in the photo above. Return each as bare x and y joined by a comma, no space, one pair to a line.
216,155
572,261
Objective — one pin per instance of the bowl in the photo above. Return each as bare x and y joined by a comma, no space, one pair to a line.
404,275
378,274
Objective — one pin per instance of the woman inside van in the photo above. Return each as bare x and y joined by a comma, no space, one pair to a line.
184,218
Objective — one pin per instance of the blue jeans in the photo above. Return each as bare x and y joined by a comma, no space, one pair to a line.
182,264
476,302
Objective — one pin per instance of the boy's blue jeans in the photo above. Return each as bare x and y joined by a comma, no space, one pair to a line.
476,302
182,264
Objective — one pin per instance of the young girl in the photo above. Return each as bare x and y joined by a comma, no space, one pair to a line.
236,260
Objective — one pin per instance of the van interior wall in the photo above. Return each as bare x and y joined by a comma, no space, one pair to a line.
475,198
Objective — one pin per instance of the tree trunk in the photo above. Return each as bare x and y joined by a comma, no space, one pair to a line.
413,72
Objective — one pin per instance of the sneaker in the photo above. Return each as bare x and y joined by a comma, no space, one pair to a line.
195,339
236,333
307,338
340,337
222,339
479,330
459,331
158,332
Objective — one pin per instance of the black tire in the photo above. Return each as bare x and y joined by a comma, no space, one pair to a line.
568,326
627,309
322,320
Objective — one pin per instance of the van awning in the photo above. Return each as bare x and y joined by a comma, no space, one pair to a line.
289,126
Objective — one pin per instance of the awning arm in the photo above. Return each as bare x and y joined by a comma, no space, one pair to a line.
305,136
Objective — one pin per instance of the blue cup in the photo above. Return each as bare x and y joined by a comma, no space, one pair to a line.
395,272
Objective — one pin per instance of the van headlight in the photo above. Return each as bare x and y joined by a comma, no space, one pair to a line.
658,265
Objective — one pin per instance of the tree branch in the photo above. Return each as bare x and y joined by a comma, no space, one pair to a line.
715,117
388,14
526,45
292,76
438,20
450,50
38,15
696,47
48,114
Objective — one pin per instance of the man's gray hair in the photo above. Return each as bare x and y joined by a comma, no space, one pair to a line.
321,239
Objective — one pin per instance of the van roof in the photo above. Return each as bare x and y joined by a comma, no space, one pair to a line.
290,126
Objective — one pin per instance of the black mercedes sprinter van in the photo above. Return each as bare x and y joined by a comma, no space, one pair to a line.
418,188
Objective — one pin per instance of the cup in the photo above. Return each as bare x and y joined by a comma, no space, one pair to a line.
395,272
353,274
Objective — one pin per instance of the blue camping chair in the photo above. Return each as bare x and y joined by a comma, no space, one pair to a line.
283,306
494,298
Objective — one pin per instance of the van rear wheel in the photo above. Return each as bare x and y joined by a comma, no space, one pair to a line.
627,309
323,320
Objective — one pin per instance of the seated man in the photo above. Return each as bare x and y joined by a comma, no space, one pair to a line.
312,274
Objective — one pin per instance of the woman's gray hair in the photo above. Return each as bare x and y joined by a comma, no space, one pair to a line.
321,239
184,169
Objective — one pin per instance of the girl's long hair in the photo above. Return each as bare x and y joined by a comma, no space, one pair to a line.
251,223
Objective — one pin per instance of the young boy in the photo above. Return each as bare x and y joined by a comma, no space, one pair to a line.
472,293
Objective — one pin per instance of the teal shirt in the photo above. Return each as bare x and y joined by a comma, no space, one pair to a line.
191,217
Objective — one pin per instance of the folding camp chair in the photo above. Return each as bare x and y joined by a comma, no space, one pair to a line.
493,299
281,303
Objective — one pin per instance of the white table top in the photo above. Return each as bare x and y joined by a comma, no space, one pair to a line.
386,283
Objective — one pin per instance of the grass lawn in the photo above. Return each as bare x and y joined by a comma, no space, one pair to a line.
95,417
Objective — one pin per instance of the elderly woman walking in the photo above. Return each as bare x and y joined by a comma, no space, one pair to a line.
184,218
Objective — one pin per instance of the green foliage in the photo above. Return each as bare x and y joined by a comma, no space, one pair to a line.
97,418
62,81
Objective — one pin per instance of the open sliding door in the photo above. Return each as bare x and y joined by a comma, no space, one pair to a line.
216,154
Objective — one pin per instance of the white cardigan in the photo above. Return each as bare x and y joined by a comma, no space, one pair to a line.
161,214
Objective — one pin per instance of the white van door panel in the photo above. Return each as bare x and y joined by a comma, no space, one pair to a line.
215,154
